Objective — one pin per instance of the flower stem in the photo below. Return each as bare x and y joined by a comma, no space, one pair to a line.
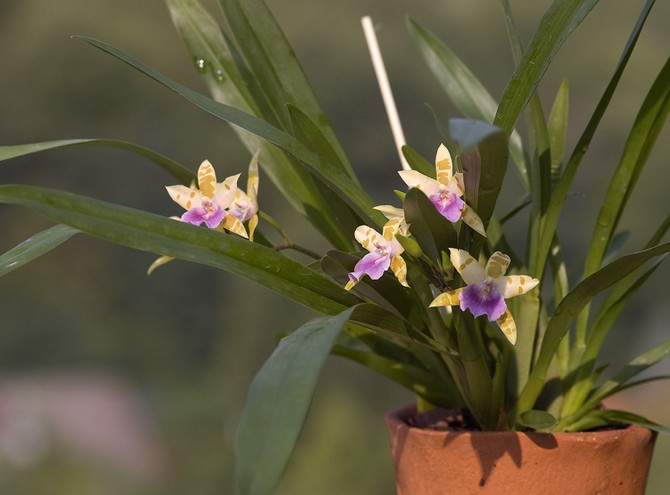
288,243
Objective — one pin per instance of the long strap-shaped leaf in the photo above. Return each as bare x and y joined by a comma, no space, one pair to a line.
567,311
463,88
560,190
338,180
34,247
230,82
148,232
275,66
558,22
277,404
175,169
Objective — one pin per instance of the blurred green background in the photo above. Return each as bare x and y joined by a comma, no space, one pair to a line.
115,382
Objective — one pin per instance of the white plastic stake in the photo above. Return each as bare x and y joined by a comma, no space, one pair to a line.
385,88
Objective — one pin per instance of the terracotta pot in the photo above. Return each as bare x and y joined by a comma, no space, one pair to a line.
429,462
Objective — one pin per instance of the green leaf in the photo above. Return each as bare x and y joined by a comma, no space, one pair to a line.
558,128
275,66
179,172
537,420
604,417
347,189
643,135
277,404
148,232
561,188
418,162
34,247
562,17
567,311
463,88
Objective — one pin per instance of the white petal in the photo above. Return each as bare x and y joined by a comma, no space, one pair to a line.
369,238
207,179
416,179
184,196
471,271
225,192
515,285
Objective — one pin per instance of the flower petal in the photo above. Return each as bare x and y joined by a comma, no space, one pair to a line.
515,285
369,238
399,268
226,191
451,298
483,299
208,213
444,167
508,326
184,196
159,262
416,179
448,204
471,219
373,265
468,267
233,224
207,179
497,265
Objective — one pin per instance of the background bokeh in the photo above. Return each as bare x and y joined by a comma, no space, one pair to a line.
115,382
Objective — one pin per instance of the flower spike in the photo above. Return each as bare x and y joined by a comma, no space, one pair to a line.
487,288
445,192
385,251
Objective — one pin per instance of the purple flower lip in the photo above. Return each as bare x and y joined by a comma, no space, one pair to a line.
208,213
483,299
448,204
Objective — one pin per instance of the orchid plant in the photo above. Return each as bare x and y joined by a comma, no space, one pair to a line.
437,299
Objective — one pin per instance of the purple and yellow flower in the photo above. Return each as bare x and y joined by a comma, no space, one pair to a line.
445,192
385,251
487,288
208,202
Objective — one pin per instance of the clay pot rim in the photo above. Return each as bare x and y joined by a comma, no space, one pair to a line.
398,418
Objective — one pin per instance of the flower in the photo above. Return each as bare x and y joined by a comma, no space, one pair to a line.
445,192
385,251
487,288
207,204
245,206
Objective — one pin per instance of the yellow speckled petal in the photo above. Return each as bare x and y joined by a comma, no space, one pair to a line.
515,285
444,167
399,268
185,197
508,326
233,224
471,271
253,222
456,185
447,298
368,237
207,179
159,262
497,265
471,219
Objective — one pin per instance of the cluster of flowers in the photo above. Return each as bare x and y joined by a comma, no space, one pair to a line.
486,287
219,205
222,206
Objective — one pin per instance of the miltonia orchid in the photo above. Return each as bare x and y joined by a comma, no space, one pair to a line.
445,192
385,251
487,288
